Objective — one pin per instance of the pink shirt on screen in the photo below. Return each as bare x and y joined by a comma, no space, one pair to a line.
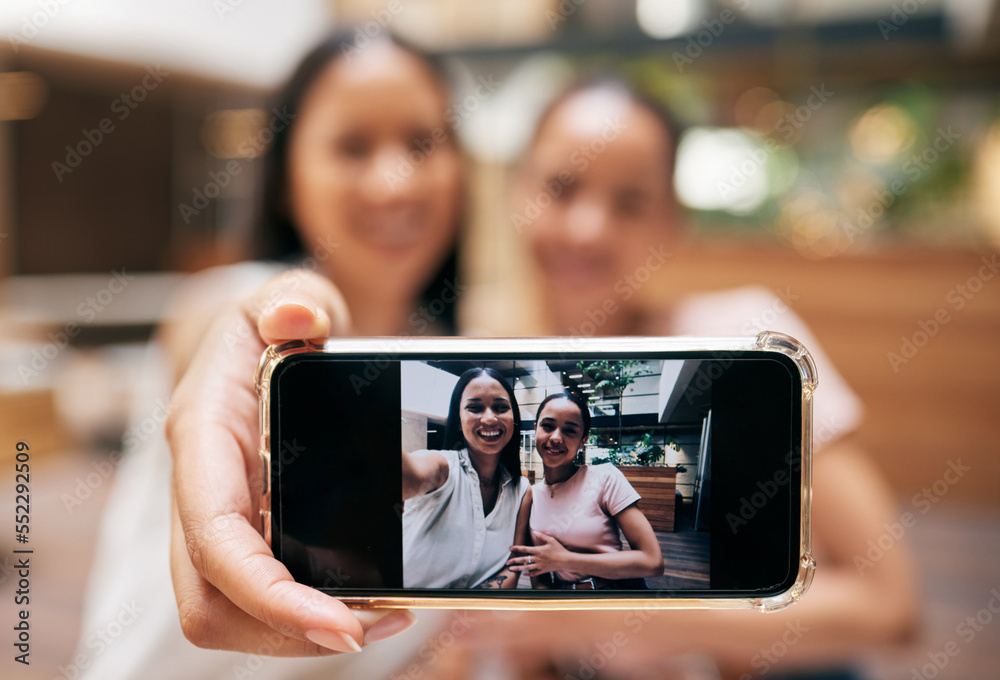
580,512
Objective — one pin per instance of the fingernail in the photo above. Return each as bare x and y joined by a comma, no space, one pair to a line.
393,624
296,303
321,322
338,642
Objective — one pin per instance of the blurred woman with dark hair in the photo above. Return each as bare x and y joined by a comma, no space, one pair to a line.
616,213
364,186
355,199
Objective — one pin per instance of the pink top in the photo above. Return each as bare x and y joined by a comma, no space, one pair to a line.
750,310
580,511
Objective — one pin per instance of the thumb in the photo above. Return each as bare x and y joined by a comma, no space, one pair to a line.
298,305
540,537
380,624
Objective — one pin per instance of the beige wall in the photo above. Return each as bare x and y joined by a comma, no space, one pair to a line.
414,432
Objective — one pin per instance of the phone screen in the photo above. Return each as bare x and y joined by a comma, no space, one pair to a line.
704,446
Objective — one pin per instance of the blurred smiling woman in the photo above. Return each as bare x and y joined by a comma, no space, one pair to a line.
381,252
615,212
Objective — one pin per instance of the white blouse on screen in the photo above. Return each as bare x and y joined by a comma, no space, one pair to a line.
448,541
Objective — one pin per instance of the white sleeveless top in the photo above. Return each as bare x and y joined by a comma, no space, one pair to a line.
448,541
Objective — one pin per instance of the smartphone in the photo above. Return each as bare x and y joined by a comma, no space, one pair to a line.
370,457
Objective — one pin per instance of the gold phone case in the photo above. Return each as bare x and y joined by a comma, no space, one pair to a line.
404,347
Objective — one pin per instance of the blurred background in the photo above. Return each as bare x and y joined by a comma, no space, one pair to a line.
845,154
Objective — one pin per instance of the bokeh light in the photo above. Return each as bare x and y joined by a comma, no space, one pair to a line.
226,133
22,95
667,18
811,225
881,133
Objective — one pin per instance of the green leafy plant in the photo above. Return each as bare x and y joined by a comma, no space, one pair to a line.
611,378
642,452
645,452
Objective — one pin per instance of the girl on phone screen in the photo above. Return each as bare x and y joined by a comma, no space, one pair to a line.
579,511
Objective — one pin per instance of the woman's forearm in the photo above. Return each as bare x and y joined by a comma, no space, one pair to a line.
615,565
836,618
505,578
838,615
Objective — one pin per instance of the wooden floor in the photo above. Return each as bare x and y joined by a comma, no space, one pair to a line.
958,554
685,557
62,536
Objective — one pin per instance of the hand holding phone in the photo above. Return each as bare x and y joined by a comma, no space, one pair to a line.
593,528
213,434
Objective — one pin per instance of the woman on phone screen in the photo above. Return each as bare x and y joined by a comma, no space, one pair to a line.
579,511
464,507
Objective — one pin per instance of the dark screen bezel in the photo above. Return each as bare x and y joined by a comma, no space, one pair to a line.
776,559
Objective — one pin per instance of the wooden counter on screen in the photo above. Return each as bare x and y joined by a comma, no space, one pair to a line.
658,487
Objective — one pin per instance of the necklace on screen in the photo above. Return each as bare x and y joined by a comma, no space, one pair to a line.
552,485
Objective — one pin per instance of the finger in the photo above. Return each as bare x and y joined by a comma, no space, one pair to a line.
230,554
211,434
529,549
234,629
523,563
213,499
380,624
523,559
211,621
298,305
